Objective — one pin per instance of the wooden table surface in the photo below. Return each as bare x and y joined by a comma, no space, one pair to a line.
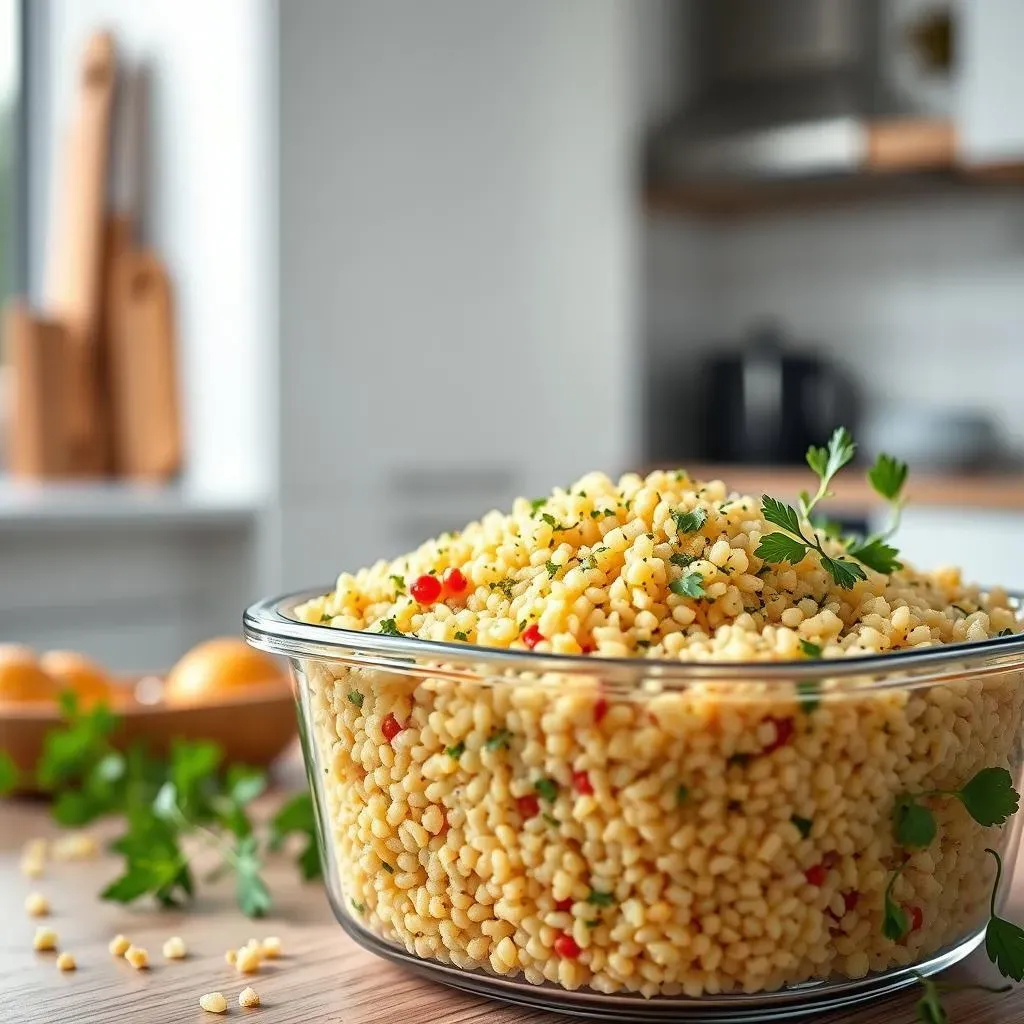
323,976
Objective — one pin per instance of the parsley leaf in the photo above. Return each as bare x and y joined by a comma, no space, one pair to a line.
689,522
843,572
809,649
1004,941
459,635
682,560
549,519
550,818
252,893
298,817
929,1007
355,697
690,585
887,476
399,582
600,899
803,825
780,514
552,568
826,462
877,555
388,627
777,547
456,750
547,789
8,773
537,503
990,797
913,824
498,740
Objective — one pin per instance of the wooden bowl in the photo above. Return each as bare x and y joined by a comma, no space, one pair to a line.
252,725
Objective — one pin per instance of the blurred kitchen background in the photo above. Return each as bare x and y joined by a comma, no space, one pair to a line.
292,286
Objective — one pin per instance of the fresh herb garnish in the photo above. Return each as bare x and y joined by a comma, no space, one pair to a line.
811,650
8,773
600,899
682,560
1004,941
547,789
929,1007
894,918
389,628
552,568
537,503
358,907
399,582
690,585
355,697
298,818
549,818
549,519
498,740
803,825
459,635
505,586
682,792
387,867
913,824
456,750
689,522
326,617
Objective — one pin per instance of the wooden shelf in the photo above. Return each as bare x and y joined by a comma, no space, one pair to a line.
1004,491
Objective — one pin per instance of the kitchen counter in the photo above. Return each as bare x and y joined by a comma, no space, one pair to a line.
323,976
1000,491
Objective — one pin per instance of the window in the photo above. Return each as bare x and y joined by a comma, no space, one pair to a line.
11,250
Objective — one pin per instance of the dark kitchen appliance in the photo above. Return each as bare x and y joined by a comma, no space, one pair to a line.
766,401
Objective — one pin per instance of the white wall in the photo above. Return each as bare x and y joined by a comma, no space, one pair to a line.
458,263
210,193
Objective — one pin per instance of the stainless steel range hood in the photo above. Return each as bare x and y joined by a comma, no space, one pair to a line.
787,89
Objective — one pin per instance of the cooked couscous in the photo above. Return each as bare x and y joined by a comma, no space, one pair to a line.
722,836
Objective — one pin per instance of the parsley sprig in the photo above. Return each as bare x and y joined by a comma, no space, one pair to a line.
929,1007
887,476
190,795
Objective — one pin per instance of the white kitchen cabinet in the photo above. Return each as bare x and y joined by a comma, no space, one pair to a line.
990,116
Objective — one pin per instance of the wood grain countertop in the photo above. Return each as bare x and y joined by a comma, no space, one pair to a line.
323,977
997,491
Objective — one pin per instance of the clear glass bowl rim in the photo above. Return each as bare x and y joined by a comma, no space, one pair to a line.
270,625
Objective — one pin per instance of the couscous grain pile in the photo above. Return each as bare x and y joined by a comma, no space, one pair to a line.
714,837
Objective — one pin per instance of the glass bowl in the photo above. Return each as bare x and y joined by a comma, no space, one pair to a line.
649,840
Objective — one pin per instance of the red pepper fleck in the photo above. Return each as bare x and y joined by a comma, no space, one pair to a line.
390,727
816,874
784,729
528,806
581,783
916,918
587,648
563,905
850,900
565,946
532,636
426,589
600,709
455,582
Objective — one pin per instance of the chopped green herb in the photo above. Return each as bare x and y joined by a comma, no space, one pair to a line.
355,697
682,793
690,585
547,789
689,522
387,867
456,751
1005,632
592,924
499,740
808,694
537,504
809,649
600,899
399,582
550,818
505,586
887,476
326,617
894,918
549,519
359,908
552,568
803,825
459,635
682,560
389,628
643,645
741,759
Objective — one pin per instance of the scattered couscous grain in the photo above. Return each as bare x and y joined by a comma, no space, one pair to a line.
231,956
66,962
75,846
174,948
37,905
248,961
214,1002
677,836
32,867
248,998
33,858
119,945
137,957
271,947
45,939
